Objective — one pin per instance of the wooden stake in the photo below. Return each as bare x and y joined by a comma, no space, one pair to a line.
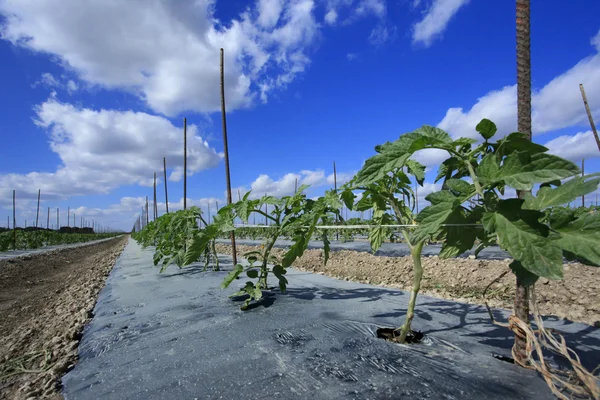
154,203
37,216
589,114
226,151
185,164
14,220
48,219
57,219
582,174
165,178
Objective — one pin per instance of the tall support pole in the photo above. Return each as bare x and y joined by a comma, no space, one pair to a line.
337,235
154,202
589,114
165,178
14,219
147,219
57,219
185,163
37,216
48,219
226,151
582,174
523,39
69,217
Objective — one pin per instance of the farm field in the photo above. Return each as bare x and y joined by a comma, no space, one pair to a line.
45,300
317,340
34,239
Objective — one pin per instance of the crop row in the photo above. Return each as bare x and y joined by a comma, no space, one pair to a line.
23,240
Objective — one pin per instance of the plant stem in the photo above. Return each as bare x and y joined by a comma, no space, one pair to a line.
415,252
263,268
475,179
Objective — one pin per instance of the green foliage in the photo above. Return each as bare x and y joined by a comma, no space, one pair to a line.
33,239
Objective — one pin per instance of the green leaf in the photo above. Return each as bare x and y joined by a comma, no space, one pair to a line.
458,239
518,141
524,277
443,196
463,188
486,128
417,170
522,170
528,241
326,247
280,272
252,273
582,238
348,197
237,270
488,169
563,194
379,165
431,218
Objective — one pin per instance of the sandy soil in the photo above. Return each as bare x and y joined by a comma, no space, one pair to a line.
575,298
45,301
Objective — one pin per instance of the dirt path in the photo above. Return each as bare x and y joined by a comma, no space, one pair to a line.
45,300
575,298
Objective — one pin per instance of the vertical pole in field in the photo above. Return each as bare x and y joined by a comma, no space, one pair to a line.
208,206
147,219
7,222
582,174
165,178
48,219
154,203
589,114
37,216
57,219
226,150
185,163
74,221
239,195
14,220
69,217
337,235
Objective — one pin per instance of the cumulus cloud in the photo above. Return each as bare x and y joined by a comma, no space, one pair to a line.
555,106
331,17
436,19
102,150
174,68
576,147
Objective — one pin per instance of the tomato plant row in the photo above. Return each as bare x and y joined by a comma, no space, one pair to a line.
36,239
470,210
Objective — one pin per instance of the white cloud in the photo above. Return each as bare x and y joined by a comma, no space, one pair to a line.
269,12
577,147
351,56
102,150
596,41
555,106
175,67
374,7
436,20
381,35
48,80
341,178
331,17
72,86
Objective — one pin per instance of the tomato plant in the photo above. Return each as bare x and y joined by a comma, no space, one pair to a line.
472,206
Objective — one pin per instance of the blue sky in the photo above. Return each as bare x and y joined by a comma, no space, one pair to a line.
90,102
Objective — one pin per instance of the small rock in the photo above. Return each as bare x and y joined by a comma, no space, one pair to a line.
545,281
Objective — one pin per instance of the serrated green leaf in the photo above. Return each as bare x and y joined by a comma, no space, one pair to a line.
230,277
528,242
582,238
488,169
431,218
486,128
443,196
379,165
518,141
522,170
563,194
417,170
326,247
458,239
461,187
280,272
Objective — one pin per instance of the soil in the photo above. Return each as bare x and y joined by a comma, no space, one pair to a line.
45,301
575,298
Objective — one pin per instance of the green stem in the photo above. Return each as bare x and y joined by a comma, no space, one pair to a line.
418,275
475,179
266,215
263,268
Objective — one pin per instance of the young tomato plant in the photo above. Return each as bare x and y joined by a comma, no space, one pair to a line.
385,194
291,216
476,176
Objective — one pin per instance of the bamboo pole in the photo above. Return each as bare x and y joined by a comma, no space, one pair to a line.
37,216
582,174
165,178
226,151
14,220
154,203
185,163
589,114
